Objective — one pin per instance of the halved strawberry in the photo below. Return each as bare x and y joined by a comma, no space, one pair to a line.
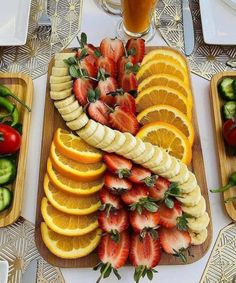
139,46
169,216
128,82
159,189
141,175
112,48
122,63
84,46
108,65
89,66
115,184
125,99
109,201
175,242
123,120
113,255
117,164
81,87
145,254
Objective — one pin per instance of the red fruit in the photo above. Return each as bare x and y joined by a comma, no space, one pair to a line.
108,65
123,120
159,189
10,139
112,48
174,241
113,254
141,175
89,66
80,89
229,132
106,86
145,220
128,82
90,48
139,46
169,216
98,111
145,254
116,184
135,194
125,99
122,63
117,164
109,200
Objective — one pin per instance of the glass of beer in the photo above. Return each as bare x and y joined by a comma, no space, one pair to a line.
137,18
111,6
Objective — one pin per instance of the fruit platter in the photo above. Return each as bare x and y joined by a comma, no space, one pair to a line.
121,161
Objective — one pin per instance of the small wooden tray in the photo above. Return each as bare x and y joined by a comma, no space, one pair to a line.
227,162
22,86
53,120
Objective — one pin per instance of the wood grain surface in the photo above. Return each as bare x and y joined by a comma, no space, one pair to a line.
226,160
53,120
22,86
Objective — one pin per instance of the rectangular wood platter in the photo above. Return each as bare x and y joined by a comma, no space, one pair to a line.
22,86
52,121
226,160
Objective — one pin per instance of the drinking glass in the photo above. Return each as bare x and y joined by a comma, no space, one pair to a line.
111,6
137,19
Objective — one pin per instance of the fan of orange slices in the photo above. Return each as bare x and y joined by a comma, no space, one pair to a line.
164,103
74,177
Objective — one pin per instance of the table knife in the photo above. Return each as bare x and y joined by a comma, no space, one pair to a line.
189,39
30,275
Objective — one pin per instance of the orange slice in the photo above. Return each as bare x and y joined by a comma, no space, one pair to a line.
70,247
169,138
163,95
168,114
75,148
76,170
68,185
69,203
66,224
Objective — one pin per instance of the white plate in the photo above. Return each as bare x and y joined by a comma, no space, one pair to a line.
218,22
14,19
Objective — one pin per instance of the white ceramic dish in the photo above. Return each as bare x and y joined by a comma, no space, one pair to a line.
3,271
14,19
218,22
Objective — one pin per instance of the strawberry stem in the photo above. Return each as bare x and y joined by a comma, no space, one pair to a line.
104,269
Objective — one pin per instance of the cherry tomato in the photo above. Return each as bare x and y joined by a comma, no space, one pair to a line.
229,132
10,139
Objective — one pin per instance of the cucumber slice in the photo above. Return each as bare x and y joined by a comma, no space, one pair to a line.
226,89
7,171
5,198
229,110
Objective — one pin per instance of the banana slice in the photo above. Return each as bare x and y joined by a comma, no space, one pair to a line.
197,210
58,80
137,150
60,63
69,108
59,95
117,143
73,115
62,56
183,175
198,224
107,139
60,72
189,186
61,86
173,170
130,143
64,102
198,238
146,155
97,136
88,130
156,158
78,123
192,198
164,165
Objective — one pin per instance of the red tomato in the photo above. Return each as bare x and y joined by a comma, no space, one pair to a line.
10,139
229,132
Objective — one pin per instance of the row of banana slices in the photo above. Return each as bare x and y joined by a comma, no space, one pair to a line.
133,148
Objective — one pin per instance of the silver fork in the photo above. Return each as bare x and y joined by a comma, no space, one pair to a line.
44,23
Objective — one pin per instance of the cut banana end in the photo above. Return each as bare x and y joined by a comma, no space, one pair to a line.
59,95
173,170
117,143
97,136
130,143
192,198
156,158
137,150
164,165
60,72
198,238
146,155
197,210
88,130
69,108
71,116
61,86
64,102
78,123
183,175
189,186
108,138
198,224
58,80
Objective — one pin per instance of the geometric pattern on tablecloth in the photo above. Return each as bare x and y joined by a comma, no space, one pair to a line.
221,266
206,60
33,57
17,246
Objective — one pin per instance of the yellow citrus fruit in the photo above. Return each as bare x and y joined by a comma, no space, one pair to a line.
76,170
162,67
169,138
68,185
70,203
168,114
75,148
70,247
66,224
163,95
166,54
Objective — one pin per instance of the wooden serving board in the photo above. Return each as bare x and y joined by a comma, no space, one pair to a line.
53,120
22,86
227,162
